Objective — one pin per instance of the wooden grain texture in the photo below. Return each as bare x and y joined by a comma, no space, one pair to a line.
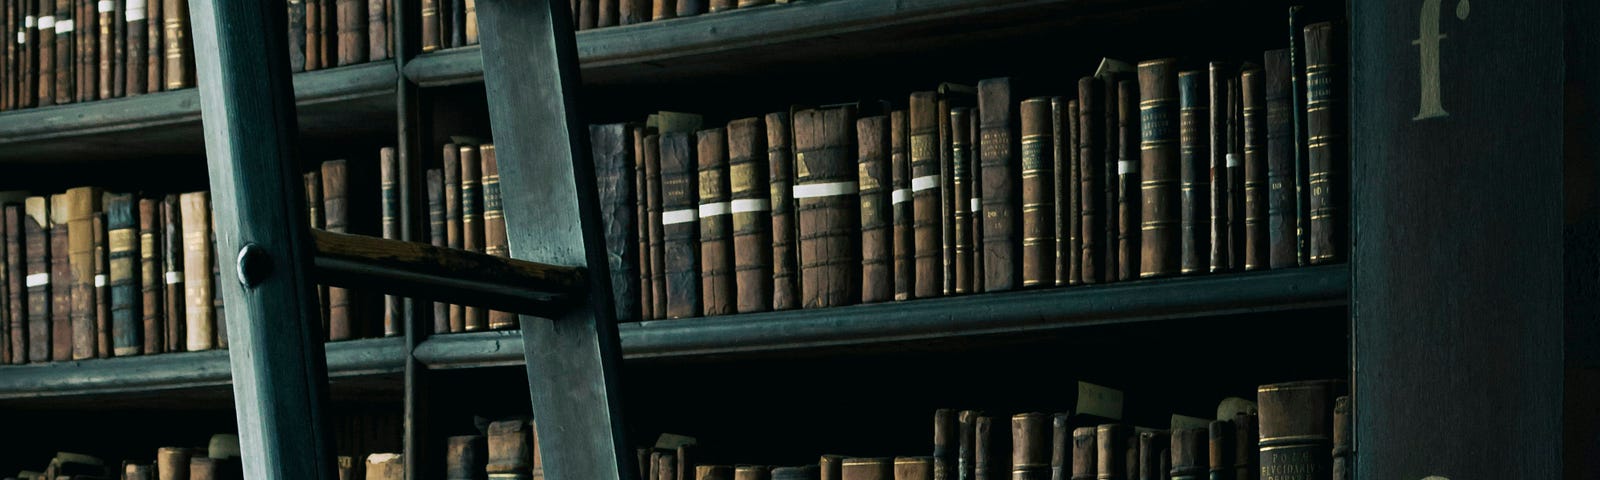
426,271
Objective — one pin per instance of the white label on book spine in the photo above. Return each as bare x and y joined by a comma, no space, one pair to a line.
899,196
174,278
923,183
977,205
1125,167
1233,160
64,26
674,217
28,22
713,209
47,22
106,6
38,280
22,37
818,190
99,281
747,205
133,11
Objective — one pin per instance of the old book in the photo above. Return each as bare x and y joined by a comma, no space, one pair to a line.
689,8
17,259
458,23
336,218
1030,446
511,447
137,53
1195,170
151,299
904,238
29,56
38,238
172,463
966,431
1116,451
974,201
1153,446
964,180
61,279
1159,189
1074,202
946,443
875,183
1109,149
825,201
200,324
102,286
314,59
751,205
1327,154
346,467
430,25
446,22
757,3
657,244
1217,131
951,96
472,232
81,204
389,205
208,468
606,13
352,31
496,241
713,472
613,152
1085,456
378,12
463,459
385,466
913,468
1060,446
1254,139
641,230
1282,221
722,5
988,449
1038,193
135,471
180,52
123,245
1301,16
313,182
1092,215
1342,441
785,220
1127,181
175,306
1000,178
715,223
1235,162
469,29
45,80
1220,452
680,226
218,313
866,468
106,26
744,472
927,210
66,67
434,179
1188,453
664,9
630,12
451,161
155,45
1296,427
829,467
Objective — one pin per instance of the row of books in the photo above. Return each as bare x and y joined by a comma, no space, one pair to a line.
219,460
465,212
606,13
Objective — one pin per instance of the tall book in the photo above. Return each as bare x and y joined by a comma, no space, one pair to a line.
435,186
151,298
199,320
641,230
1343,449
458,23
318,221
155,45
951,96
1108,168
826,184
1236,172
946,443
1301,16
1220,452
1159,191
352,25
476,318
106,26
988,449
38,239
62,341
1116,452
123,245
384,466
875,185
1282,222
174,289
102,285
65,52
1195,170
1038,193
1189,456
606,14
496,241
964,180
1153,446
751,205
613,152
1030,444
16,266
446,22
378,12
28,55
46,78
452,216
81,205
866,468
297,34
900,198
180,52
389,206
999,175
715,222
1092,178
927,210
1327,155
680,226
1127,185
430,25
656,242
336,218
1074,179
1296,427
1253,108
137,55
1217,128
785,246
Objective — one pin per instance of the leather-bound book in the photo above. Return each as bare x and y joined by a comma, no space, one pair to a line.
1300,17
436,226
751,472
1254,126
346,466
463,459
155,45
713,472
1194,170
1159,189
200,325
1217,129
1116,449
900,199
46,79
180,52
752,217
831,467
1108,168
630,12
137,56
946,442
588,14
472,233
664,9
430,25
1327,153
689,8
314,60
61,339
867,469
1092,178
510,444
174,306
336,215
974,201
378,12
1074,179
1030,446
989,448
913,468
1038,193
81,205
1060,446
37,240
715,222
1085,456
101,283
124,246
923,125
172,463
1153,445
352,25
1342,445
1246,452
389,207
666,467
497,243
722,5
106,24
680,224
951,96
998,172
877,221
803,472
469,29
65,52
1220,450
1127,184
641,226
1282,222
29,57
827,206
16,285
785,244
135,471
1296,427
658,247
964,178
314,200
119,50
1188,453
606,14
297,34
206,468
966,450
385,466
613,151
1236,173
452,217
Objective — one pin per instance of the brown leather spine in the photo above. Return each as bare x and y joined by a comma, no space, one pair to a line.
720,5
496,241
785,246
664,9
1000,177
100,283
37,239
866,468
476,318
1220,450
1159,195
200,323
314,199
752,216
926,207
963,181
1195,169
16,266
877,221
946,441
336,215
715,223
1074,178
1189,457
1030,446
914,468
105,27
830,467
389,204
900,199
352,22
1217,128
1236,174
828,209
155,45
313,32
435,185
1084,454
1060,446
641,230
378,12
123,286
1092,178
138,51
690,8
967,422
46,79
1296,427
1038,193
175,308
606,14
1247,454
613,150
180,52
1152,445
385,467
658,256
1282,222
1127,185
510,446
1108,162
713,472
152,300
61,280
1342,448
464,458
430,25
1256,246
1327,154
172,463
28,55
633,11
680,227
81,205
751,472
452,216
1116,450
66,53
989,449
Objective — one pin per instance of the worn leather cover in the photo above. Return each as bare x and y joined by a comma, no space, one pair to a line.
152,299
1092,178
102,285
633,11
352,24
336,217
715,214
752,214
378,12
107,24
1220,451
61,338
464,457
1327,150
785,218
176,306
946,443
905,270
1038,192
1116,452
1343,452
134,471
965,176
46,80
66,52
454,235
200,323
1257,246
1217,129
1159,189
1060,446
612,146
385,466
989,448
689,8
430,25
914,468
1109,106
179,47
1074,179
664,9
1030,446
752,472
155,33
434,179
713,472
927,211
81,205
1296,427
16,264
314,199
1085,457
875,182
641,206
314,37
950,97
472,231
658,253
1000,176
967,422
867,469
827,207
1127,183
1153,445
172,463
1247,454
122,224
510,446
1189,457
680,224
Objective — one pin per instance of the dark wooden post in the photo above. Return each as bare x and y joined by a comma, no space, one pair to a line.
530,70
280,373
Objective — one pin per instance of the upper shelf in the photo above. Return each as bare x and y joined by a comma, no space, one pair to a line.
953,318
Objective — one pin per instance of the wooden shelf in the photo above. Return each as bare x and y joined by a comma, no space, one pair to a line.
179,371
956,318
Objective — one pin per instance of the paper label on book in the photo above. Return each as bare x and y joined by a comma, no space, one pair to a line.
38,280
923,183
899,196
22,37
747,205
106,6
977,205
133,11
1125,167
713,209
174,278
64,26
99,281
687,215
818,190
47,22
27,22
1233,160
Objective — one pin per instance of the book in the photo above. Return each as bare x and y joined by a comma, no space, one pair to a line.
689,8
65,53
123,245
1085,455
803,472
748,181
61,277
680,226
826,205
446,23
904,218
297,34
434,179
1038,192
1343,450
469,28
351,22
606,13
1153,456
175,305
641,206
866,468
743,472
951,96
722,5
1074,179
138,44
1296,427
458,23
785,220
100,284
1254,136
385,466
152,300
136,471
1282,221
496,241
713,472
155,45
967,425
946,443
630,12
1116,452
875,186
475,318
37,240
389,206
1092,215
1217,128
173,459
664,9
180,52
378,12
913,468
927,206
314,35
1300,16
988,449
1127,184
715,219
46,82
1236,171
757,3
974,202
430,25
16,284
464,458
207,468
1327,155
1030,443
336,218
314,200
219,315
829,467
965,176
1159,192
1220,449
511,447
200,324
346,467
658,257
613,152
1189,456
1108,171
1060,446
453,221
105,49
28,55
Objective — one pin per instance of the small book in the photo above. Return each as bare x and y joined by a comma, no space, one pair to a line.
1092,178
715,223
1030,446
200,323
680,226
346,467
974,201
1038,193
1217,129
318,221
785,218
511,446
641,207
1296,426
614,177
336,215
475,317
297,34
152,300
430,25
1085,454
1127,181
175,306
658,256
155,45
927,211
904,230
446,23
496,242
453,221
458,23
1153,448
389,205
1116,452
180,51
664,9
1073,216
1256,217
1001,185
964,181
464,457
874,183
378,12
16,267
1327,155
752,214
352,31
61,310
866,468
122,234
314,34
436,222
1343,449
1189,455
1282,222
825,188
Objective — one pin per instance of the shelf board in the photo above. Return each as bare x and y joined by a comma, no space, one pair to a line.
179,371
955,318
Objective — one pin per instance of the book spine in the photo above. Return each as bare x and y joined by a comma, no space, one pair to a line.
1256,243
336,218
313,181
1220,450
175,306
65,53
741,472
861,468
446,23
430,25
1327,156
946,441
1217,173
313,34
905,270
656,241
46,79
1074,215
1092,179
389,208
1153,444
829,466
641,233
975,202
137,58
1085,456
945,156
689,8
61,278
377,30
37,240
8,24
29,55
715,222
151,297
721,5
825,191
352,30
967,424
1236,174
1060,446
297,34
200,323
1108,172
877,221
785,247
436,222
1282,222
463,458
1038,193
173,462
680,226
452,217
1299,17
497,242
102,287
614,170
123,243
119,48
1296,428
1030,439
82,203
16,266
633,11
713,472
606,14
1247,454
963,182
752,214
511,447
988,462
1128,201
1343,450
1159,189
664,9
1112,446
1188,447
469,29
180,53
105,48
155,45
926,206
86,55
913,468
